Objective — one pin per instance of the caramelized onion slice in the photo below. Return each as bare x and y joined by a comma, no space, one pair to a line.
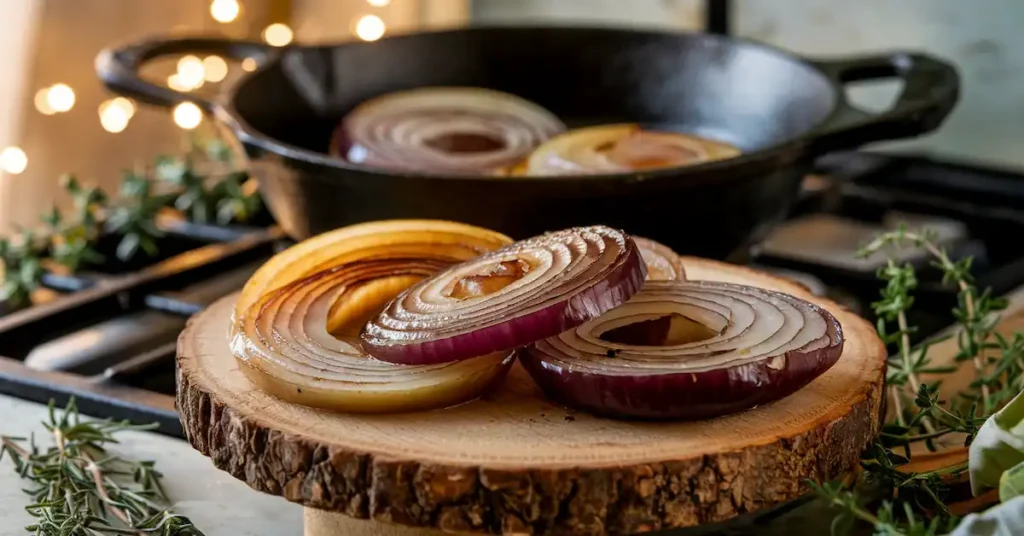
451,241
298,319
549,284
688,350
458,130
663,264
620,148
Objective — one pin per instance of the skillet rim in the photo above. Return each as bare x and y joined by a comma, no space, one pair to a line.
788,151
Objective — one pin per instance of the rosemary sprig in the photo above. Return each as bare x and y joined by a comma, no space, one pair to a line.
915,502
82,489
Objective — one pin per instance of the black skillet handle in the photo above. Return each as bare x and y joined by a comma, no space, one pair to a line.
930,91
118,68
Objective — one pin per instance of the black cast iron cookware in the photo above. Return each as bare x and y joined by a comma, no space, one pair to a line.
781,110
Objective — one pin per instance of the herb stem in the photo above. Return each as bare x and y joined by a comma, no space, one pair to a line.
898,403
969,307
908,366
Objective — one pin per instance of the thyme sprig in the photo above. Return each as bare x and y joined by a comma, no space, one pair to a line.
914,503
82,489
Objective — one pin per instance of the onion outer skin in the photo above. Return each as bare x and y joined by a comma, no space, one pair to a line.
521,124
663,264
354,259
623,278
683,395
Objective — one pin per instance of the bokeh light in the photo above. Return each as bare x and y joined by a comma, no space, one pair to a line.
191,71
224,10
215,68
187,115
370,28
42,102
60,97
278,34
13,160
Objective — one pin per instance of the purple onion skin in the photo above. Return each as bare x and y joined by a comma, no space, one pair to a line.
683,396
620,285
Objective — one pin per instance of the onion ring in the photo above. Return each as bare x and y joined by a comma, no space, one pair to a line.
296,325
762,346
545,285
456,130
663,264
620,148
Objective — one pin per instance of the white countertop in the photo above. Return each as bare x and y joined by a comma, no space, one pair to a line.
218,504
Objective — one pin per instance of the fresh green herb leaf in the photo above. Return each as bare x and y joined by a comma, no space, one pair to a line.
916,502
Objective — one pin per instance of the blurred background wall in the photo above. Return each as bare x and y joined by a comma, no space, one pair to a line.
55,117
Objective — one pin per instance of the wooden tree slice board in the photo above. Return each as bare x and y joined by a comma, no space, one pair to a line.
514,463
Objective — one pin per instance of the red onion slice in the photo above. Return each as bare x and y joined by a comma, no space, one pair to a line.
620,148
545,285
663,264
458,130
764,345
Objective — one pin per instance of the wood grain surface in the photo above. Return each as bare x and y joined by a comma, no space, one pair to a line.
514,463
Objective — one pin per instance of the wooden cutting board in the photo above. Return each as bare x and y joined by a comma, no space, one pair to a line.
514,463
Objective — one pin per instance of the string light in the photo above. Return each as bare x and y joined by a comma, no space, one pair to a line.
113,119
378,3
224,10
125,104
191,71
215,67
370,28
176,83
42,102
115,114
187,115
60,97
13,160
249,64
278,34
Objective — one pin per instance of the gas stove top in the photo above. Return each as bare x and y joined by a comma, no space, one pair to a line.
109,339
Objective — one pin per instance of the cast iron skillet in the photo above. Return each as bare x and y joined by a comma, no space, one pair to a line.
782,110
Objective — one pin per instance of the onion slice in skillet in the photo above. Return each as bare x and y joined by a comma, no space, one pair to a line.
297,321
663,264
454,130
519,294
688,350
620,148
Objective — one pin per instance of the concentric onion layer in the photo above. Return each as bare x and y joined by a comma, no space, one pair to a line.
765,346
565,279
458,130
620,148
663,264
456,242
298,319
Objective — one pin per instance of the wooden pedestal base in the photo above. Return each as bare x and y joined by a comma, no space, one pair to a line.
321,523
